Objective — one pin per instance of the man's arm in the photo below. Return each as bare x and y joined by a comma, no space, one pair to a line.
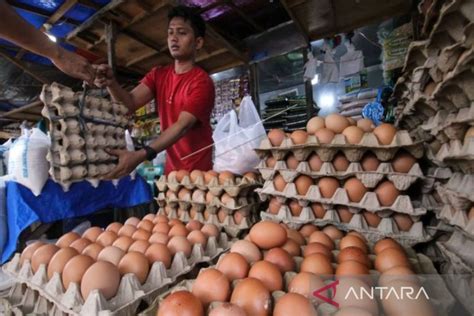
129,160
15,29
134,99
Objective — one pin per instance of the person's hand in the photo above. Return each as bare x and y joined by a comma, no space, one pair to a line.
128,161
74,65
104,76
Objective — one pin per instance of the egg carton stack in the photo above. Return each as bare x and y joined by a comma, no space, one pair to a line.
259,276
305,186
118,269
81,128
224,199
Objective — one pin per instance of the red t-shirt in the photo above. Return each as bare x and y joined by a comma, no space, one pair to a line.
192,92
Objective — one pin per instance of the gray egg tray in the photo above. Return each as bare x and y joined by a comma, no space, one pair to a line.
81,128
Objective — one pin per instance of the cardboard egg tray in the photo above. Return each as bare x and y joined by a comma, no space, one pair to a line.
369,201
402,181
457,191
457,155
229,224
34,293
422,265
234,188
353,153
452,124
80,132
457,218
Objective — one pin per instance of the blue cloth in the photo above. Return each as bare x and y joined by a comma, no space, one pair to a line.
23,208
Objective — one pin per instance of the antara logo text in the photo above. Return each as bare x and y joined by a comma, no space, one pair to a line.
381,292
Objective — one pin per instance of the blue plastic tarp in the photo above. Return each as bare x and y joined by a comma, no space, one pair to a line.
23,208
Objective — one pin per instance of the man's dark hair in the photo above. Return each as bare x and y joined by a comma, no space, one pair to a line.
189,14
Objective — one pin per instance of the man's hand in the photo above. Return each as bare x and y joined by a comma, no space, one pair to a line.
74,65
128,161
104,76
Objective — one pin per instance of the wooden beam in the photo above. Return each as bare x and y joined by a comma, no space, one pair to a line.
7,135
231,48
90,4
95,17
23,67
299,25
244,16
40,12
210,55
22,116
144,56
143,40
111,31
26,107
225,67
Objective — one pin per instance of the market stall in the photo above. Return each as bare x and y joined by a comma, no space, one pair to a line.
341,174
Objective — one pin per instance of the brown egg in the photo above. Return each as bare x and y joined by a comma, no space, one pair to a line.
270,162
178,230
322,238
193,212
180,244
80,244
305,283
469,134
172,174
141,234
197,237
318,264
114,227
123,242
211,230
333,232
307,229
385,133
357,234
404,221
181,303
268,273
355,189
184,194
385,243
299,137
294,304
324,135
351,121
247,249
318,210
106,238
340,162
314,124
291,162
102,276
175,221
67,239
267,235
92,250
353,134
127,230
344,214
136,263
251,295
75,269
292,247
353,241
92,233
227,309
149,217
29,250
209,175
366,125
328,186
226,198
253,176
372,219
111,254
398,273
274,206
206,214
315,162
391,258
238,217
139,246
211,285
196,174
279,183
352,311
354,254
336,123
181,174
470,214
347,284
226,176
159,252
403,162
59,260
145,225
296,236
276,137
163,228
387,193
193,225
302,184
405,305
316,247
234,266
370,162
132,221
280,258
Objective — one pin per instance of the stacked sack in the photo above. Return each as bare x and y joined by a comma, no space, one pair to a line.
277,270
436,104
346,173
352,104
81,128
223,199
111,270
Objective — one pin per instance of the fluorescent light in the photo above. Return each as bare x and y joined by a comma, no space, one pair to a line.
315,80
327,100
52,38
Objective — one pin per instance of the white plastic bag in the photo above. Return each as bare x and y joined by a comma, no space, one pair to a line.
236,138
27,162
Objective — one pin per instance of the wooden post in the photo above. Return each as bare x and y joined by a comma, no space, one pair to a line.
253,85
111,33
308,89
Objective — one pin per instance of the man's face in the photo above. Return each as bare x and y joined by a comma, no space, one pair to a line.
181,40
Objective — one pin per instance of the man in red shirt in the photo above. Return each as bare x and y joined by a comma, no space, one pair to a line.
185,97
